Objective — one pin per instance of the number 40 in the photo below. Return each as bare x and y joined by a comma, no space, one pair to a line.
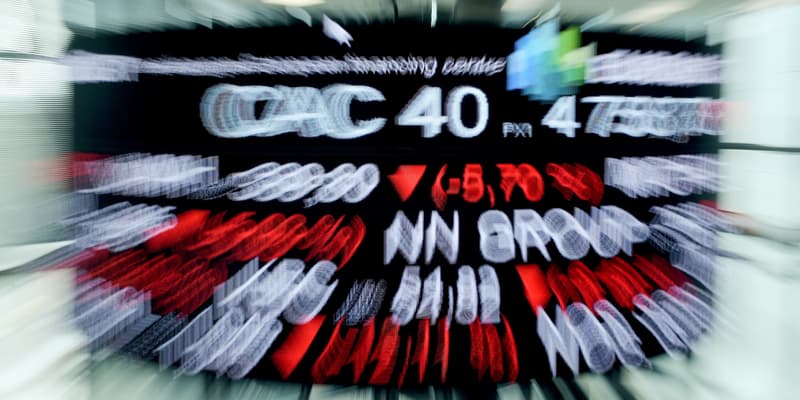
425,110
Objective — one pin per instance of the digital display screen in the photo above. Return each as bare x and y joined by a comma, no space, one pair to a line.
421,206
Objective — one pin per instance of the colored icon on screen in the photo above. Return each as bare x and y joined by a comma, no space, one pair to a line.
546,63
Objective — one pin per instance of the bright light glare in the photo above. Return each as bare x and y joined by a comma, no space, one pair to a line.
294,3
653,12
521,5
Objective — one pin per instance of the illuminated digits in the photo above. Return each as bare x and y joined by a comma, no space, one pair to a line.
292,181
425,110
473,183
467,298
525,176
347,183
601,118
268,181
293,185
432,292
424,300
508,179
454,122
570,179
489,292
660,117
561,116
405,301
530,181
661,68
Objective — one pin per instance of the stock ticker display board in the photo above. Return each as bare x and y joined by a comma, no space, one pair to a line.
414,206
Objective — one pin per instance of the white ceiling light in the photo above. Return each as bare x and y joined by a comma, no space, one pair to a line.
755,5
294,3
300,14
652,12
434,13
598,21
522,5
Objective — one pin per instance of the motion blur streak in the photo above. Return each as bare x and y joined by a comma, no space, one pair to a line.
659,68
194,177
200,290
89,67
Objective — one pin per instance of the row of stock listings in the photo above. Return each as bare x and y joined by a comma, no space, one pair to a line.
213,290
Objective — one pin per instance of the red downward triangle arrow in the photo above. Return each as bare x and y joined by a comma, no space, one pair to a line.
406,178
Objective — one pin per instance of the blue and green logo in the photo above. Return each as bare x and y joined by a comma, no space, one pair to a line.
546,63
